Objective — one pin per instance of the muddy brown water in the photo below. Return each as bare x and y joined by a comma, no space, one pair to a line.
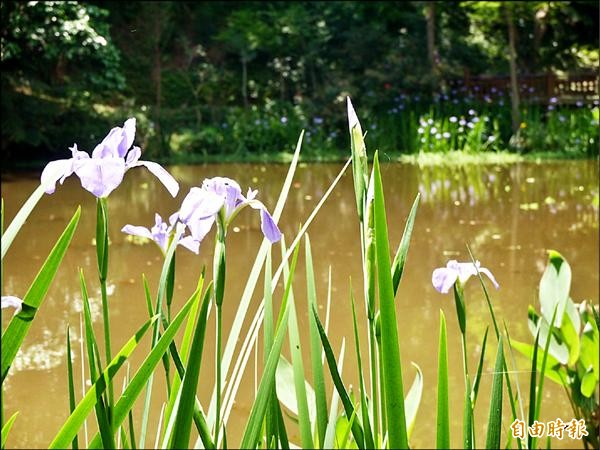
508,214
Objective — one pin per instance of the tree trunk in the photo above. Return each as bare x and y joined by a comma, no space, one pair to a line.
245,80
538,33
431,48
158,84
514,83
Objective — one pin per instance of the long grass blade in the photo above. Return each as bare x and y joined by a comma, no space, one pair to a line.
250,437
413,400
360,169
75,444
297,364
511,396
180,437
185,344
75,420
162,288
532,386
315,348
198,414
495,418
271,435
392,367
251,337
7,427
9,235
137,383
333,411
511,399
540,388
339,384
17,329
244,303
479,368
369,443
402,252
442,439
95,365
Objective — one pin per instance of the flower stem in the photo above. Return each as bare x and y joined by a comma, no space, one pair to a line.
461,314
218,375
219,283
102,254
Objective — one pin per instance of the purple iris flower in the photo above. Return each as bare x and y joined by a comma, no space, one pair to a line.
161,233
10,301
224,196
104,170
443,278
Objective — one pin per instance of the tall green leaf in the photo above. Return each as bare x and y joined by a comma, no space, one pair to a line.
75,445
95,366
7,427
443,408
250,339
250,437
479,368
9,235
333,411
244,303
297,364
17,329
360,170
339,384
392,366
315,348
540,389
135,386
185,342
180,437
532,387
268,337
495,418
400,258
76,419
369,443
413,400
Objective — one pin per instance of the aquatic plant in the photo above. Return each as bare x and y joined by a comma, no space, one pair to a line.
379,414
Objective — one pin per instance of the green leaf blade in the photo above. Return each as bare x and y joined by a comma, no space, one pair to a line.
443,408
15,333
495,417
392,366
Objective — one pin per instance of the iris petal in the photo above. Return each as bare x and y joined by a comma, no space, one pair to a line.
100,176
10,301
490,276
128,137
54,171
200,228
199,204
190,243
137,231
269,227
163,176
443,279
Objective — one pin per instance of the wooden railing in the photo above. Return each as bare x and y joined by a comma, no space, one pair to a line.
534,88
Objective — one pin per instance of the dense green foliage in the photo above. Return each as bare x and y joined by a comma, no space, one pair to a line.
236,80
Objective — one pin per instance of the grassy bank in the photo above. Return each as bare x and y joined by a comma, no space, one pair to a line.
422,158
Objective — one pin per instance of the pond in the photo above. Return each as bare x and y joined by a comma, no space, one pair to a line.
508,214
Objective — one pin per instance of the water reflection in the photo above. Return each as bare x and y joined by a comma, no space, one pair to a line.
509,215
